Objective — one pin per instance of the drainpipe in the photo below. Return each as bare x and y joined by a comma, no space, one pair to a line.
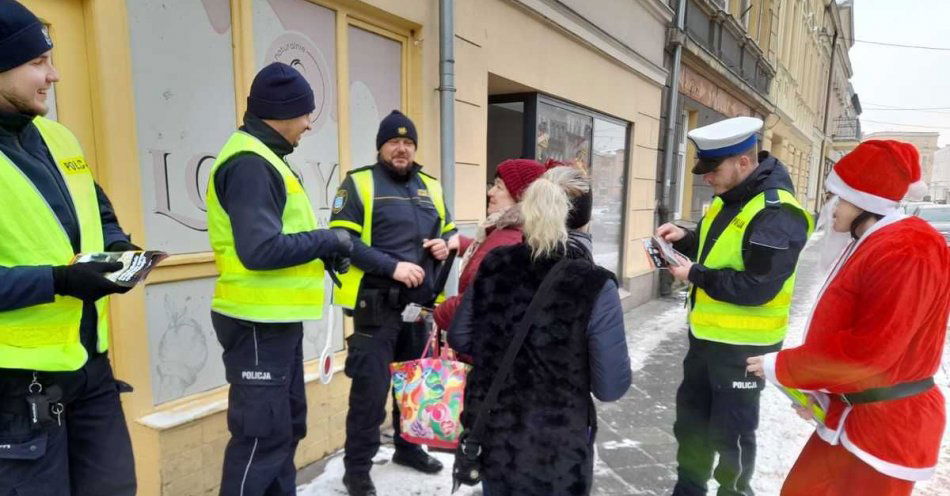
447,98
447,115
819,196
676,40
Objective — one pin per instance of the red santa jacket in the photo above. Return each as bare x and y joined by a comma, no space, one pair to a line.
880,321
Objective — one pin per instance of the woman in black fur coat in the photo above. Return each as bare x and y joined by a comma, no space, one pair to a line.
539,436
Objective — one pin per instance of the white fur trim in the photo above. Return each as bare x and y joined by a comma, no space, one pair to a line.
917,191
768,366
866,201
886,467
833,436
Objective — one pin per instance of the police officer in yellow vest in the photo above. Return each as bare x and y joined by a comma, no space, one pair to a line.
270,257
62,430
401,229
746,248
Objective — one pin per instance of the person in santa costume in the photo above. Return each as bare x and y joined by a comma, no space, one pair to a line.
874,340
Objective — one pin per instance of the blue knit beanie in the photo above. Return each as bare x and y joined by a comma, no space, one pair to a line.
396,125
22,36
280,92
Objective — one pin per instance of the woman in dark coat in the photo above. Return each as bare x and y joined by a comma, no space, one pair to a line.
502,227
539,436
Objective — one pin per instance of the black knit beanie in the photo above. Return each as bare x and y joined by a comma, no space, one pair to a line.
22,36
396,125
280,92
580,213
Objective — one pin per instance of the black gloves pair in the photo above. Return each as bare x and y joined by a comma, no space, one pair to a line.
339,260
86,281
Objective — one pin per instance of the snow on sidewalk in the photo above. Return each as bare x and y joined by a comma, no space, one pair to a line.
390,479
780,437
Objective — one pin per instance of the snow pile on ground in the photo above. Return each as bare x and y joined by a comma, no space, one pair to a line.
390,479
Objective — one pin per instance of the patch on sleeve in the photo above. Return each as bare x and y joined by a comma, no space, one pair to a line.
339,201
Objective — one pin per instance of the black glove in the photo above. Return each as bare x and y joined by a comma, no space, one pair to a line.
122,245
344,242
86,280
338,264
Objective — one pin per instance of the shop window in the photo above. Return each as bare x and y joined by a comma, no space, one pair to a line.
537,126
183,78
564,135
608,174
375,89
183,56
505,134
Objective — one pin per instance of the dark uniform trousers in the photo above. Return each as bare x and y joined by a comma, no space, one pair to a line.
717,411
380,338
87,453
267,407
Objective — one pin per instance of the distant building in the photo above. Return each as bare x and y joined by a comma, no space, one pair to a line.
926,143
940,180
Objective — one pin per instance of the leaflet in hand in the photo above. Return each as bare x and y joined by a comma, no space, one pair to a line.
135,264
801,398
661,253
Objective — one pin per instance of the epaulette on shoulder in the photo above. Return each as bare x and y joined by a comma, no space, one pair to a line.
359,169
772,199
430,176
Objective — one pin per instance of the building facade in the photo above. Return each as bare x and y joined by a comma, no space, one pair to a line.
784,61
725,72
153,89
926,143
940,180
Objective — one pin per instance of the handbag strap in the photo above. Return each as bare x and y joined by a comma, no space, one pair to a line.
521,332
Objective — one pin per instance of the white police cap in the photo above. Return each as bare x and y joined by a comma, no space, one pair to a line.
723,139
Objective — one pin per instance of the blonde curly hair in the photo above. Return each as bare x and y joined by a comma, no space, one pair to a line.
545,206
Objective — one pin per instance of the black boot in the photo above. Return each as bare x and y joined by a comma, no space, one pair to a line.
417,459
359,484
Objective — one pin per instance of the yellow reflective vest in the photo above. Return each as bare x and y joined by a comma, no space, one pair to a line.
290,294
715,320
46,336
363,183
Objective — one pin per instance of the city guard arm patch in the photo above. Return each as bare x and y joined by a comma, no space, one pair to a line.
340,200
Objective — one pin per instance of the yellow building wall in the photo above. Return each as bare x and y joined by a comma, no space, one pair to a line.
179,445
499,38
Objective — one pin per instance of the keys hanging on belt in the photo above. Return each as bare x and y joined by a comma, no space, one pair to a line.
43,403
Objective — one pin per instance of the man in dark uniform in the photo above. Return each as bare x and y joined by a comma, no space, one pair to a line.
746,247
62,430
271,258
401,229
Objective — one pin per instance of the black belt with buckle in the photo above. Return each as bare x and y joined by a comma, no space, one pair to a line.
894,392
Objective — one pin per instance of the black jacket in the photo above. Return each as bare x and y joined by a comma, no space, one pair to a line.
252,193
403,216
770,250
